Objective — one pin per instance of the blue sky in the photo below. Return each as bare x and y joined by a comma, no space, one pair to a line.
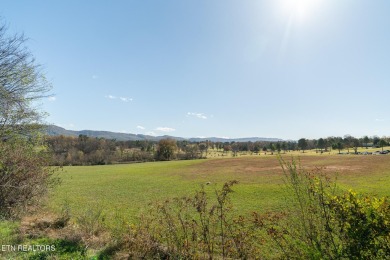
225,68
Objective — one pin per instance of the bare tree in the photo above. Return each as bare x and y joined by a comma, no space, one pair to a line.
22,83
24,177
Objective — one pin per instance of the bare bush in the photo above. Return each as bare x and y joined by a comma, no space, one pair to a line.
24,177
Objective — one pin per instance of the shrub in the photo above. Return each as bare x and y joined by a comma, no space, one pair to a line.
364,225
324,222
24,177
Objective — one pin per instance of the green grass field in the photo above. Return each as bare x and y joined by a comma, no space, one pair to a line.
128,188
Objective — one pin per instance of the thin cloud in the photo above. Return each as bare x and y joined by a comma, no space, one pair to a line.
197,115
94,76
151,133
140,127
123,99
165,129
380,120
52,99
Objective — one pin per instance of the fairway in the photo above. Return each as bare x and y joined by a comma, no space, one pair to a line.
128,188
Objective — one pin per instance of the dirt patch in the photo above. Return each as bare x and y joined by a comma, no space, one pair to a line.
354,165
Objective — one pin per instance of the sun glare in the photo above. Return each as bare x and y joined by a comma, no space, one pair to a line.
301,9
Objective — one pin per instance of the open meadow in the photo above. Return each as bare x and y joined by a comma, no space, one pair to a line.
194,130
126,189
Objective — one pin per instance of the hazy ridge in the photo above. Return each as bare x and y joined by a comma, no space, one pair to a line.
54,130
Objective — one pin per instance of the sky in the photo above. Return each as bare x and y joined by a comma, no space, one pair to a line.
212,68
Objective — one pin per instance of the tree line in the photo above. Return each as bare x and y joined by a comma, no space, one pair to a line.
348,142
84,150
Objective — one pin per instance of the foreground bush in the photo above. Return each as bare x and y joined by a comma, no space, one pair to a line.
324,222
24,177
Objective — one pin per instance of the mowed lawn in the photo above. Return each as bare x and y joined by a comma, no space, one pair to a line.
128,188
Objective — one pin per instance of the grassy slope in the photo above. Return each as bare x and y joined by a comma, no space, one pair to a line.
128,188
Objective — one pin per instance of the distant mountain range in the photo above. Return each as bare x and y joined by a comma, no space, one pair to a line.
53,130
